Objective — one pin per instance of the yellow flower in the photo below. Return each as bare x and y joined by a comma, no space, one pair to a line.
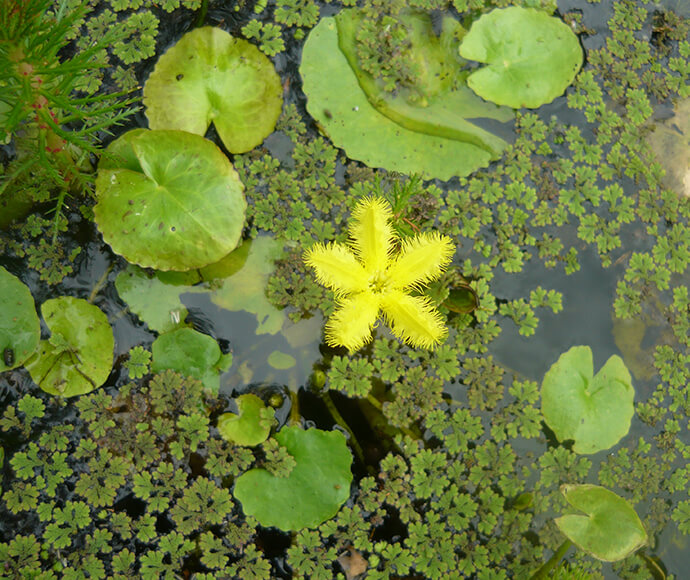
368,278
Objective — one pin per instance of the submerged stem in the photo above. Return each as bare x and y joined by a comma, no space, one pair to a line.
552,562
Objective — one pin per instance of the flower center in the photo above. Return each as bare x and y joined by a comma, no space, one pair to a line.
379,283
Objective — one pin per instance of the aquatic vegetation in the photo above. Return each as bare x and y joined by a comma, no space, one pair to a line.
425,131
593,410
251,425
610,531
191,354
20,329
370,276
531,57
462,479
211,77
78,356
53,130
169,200
311,492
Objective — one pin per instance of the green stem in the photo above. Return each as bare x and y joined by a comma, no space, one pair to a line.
333,410
374,402
543,572
202,13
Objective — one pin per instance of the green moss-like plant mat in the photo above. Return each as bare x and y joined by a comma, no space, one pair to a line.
169,200
78,356
433,138
20,329
211,77
313,491
531,57
610,531
593,410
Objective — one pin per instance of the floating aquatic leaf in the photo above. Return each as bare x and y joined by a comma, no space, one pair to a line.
593,410
253,424
531,57
192,354
312,493
245,288
435,140
20,329
610,531
211,77
462,299
155,296
78,356
182,207
281,361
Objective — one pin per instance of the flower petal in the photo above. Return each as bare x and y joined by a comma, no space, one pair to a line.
352,322
371,232
421,259
336,268
413,319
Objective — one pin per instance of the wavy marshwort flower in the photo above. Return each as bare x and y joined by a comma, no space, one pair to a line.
369,277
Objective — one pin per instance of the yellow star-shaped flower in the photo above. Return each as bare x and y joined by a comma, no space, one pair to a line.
368,278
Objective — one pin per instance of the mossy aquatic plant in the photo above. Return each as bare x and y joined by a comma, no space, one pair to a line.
450,489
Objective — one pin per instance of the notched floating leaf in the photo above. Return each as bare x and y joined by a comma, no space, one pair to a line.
434,137
180,206
593,410
531,57
20,329
192,354
247,270
253,424
211,77
610,531
78,356
312,493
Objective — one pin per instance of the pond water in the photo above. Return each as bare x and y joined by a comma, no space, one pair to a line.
277,351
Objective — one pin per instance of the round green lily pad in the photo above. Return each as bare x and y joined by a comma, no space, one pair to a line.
192,354
610,531
594,411
20,329
531,57
312,493
253,424
78,356
182,207
211,77
336,100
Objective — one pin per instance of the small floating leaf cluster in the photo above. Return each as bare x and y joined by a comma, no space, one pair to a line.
137,478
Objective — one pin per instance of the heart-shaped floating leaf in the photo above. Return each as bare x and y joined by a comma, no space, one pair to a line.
244,279
594,411
192,354
317,486
20,329
610,531
78,356
253,424
434,140
182,207
211,77
531,57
